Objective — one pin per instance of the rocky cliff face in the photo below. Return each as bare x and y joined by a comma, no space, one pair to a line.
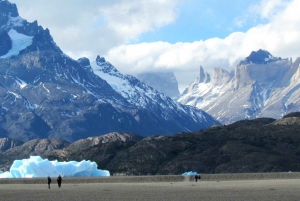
8,143
46,94
260,86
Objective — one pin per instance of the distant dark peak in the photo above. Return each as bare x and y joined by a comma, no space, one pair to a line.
106,67
84,61
7,10
259,57
100,59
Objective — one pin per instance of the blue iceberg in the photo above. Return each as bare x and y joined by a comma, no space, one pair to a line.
189,173
35,166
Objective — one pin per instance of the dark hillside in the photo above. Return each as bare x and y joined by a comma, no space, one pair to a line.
244,146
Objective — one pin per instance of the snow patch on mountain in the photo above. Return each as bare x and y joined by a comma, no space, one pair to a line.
19,42
21,83
126,85
15,21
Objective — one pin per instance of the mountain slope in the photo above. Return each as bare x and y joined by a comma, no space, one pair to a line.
260,86
46,94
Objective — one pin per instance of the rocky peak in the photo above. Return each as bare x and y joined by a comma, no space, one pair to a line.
105,67
85,63
259,57
204,77
100,59
7,10
265,72
220,76
18,30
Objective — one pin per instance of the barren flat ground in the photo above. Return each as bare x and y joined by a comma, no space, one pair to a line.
274,189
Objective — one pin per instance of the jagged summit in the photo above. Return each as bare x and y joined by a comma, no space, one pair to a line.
20,36
259,57
105,66
100,60
203,76
7,10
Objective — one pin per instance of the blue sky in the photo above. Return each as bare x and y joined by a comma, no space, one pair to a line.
169,35
201,20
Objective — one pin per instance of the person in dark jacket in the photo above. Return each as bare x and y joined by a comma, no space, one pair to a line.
59,180
49,182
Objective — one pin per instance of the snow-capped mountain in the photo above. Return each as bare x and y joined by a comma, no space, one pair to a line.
144,97
260,86
46,94
164,82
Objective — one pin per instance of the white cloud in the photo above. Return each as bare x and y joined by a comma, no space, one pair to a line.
269,8
88,28
280,37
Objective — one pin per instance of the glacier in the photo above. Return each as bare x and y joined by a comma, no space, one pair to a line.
19,42
35,166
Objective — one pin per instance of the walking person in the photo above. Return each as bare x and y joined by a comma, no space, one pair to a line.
49,182
59,180
197,177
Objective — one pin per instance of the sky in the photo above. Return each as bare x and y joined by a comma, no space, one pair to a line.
169,35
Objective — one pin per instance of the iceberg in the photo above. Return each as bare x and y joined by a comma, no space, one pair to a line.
35,166
189,173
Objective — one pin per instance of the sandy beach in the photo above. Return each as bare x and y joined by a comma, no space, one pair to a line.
266,188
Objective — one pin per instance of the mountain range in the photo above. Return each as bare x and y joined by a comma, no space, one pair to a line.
46,94
258,145
260,86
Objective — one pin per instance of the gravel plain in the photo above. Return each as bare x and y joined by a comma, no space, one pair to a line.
210,187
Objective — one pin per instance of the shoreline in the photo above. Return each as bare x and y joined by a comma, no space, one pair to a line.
158,178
